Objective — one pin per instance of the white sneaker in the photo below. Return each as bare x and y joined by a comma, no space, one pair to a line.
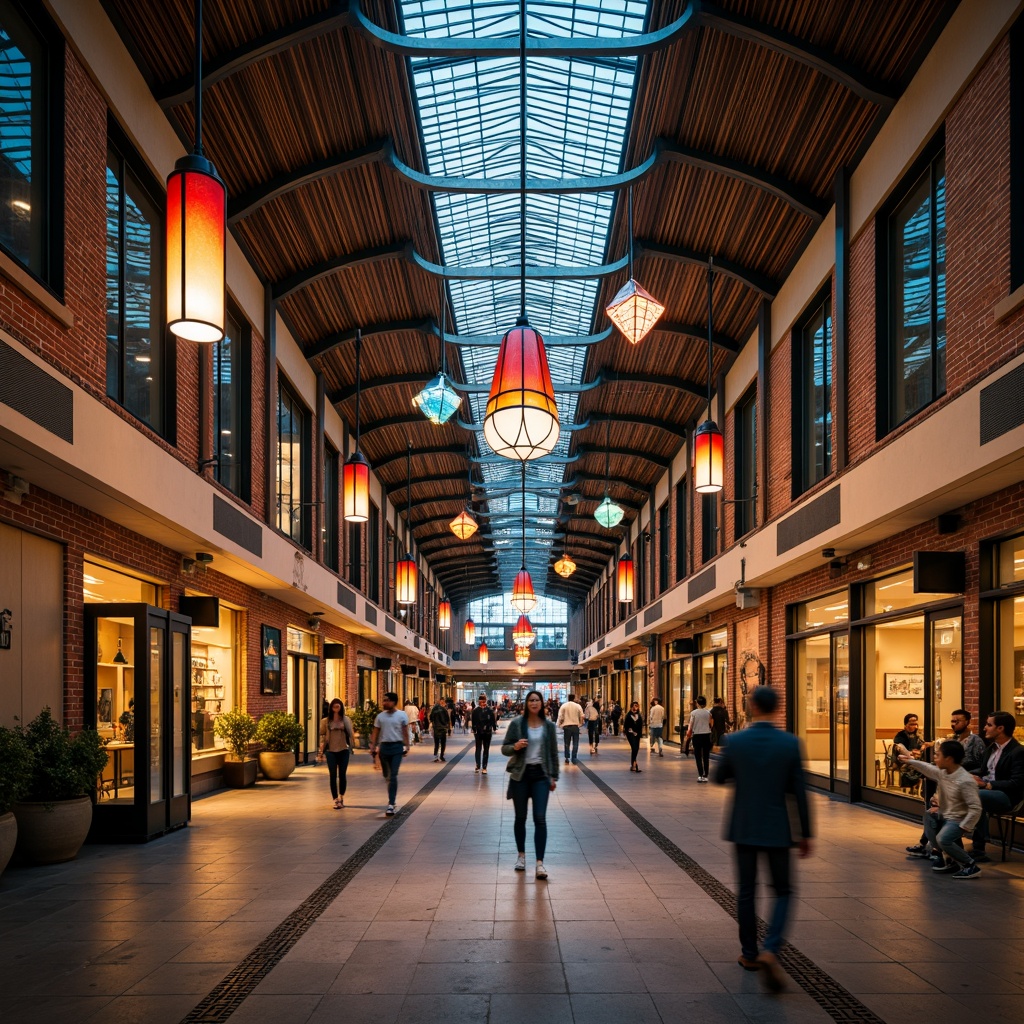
521,862
390,812
542,872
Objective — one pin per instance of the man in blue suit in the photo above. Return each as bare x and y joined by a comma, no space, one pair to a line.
766,764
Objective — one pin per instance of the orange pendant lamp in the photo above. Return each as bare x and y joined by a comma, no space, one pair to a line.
444,614
523,597
463,525
196,231
634,310
523,633
522,655
708,443
624,576
406,572
484,654
565,567
469,633
355,474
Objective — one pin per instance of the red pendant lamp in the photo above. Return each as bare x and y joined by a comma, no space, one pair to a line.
522,655
196,232
624,576
444,614
355,474
483,653
523,633
708,443
469,633
523,597
406,572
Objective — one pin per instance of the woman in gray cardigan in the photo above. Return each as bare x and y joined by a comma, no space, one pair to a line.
531,746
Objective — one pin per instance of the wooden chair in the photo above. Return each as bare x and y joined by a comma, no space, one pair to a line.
1007,827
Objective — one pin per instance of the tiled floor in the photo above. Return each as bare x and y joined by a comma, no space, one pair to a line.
436,925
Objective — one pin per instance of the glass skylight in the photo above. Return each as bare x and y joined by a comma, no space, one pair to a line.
576,119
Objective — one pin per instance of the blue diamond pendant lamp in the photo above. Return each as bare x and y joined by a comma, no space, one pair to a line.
439,400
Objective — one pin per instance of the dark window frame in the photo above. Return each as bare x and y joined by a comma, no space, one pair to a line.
238,460
373,554
888,415
130,166
681,534
48,157
329,521
708,527
745,464
285,392
664,547
354,549
806,391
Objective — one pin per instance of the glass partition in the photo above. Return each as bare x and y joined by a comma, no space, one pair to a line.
157,639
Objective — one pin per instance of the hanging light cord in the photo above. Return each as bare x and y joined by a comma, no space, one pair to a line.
443,310
408,495
607,453
630,220
522,157
523,509
359,348
199,78
711,274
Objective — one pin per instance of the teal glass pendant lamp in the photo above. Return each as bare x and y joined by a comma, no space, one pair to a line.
608,514
439,400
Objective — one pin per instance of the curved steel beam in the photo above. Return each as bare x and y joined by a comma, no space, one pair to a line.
303,278
406,420
719,340
247,203
679,254
550,340
181,90
629,453
599,478
333,341
391,380
485,273
692,387
641,421
418,453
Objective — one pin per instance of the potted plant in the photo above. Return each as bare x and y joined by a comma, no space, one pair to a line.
362,721
55,812
237,728
15,775
280,733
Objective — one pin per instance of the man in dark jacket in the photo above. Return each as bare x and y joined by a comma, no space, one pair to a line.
767,766
440,723
484,724
1000,778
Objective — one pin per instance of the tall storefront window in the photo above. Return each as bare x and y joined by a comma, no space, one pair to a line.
293,466
231,406
821,684
215,678
711,673
1010,632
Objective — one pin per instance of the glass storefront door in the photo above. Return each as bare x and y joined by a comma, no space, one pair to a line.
304,702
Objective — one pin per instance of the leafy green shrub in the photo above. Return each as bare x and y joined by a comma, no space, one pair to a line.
15,767
236,728
364,717
279,731
63,766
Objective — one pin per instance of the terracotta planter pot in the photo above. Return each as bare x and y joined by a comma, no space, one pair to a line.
276,765
8,837
52,833
239,774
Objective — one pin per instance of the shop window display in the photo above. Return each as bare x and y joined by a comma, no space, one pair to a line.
1010,641
115,706
214,679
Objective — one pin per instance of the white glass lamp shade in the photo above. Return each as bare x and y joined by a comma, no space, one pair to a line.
634,311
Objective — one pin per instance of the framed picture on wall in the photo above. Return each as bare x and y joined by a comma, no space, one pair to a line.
270,644
903,686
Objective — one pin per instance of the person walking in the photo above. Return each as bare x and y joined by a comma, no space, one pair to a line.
336,744
440,723
594,725
655,726
615,716
633,727
698,735
767,766
412,712
484,724
719,721
390,743
531,746
570,718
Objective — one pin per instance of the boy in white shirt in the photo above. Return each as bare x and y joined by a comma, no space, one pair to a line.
955,810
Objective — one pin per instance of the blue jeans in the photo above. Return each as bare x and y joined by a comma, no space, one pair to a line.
535,786
390,755
571,734
656,731
337,764
946,836
778,866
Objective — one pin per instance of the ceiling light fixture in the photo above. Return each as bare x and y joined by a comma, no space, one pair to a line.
521,419
565,567
439,400
522,656
523,634
196,232
406,573
355,475
633,310
708,443
464,525
469,633
523,596
483,654
624,576
608,514
444,614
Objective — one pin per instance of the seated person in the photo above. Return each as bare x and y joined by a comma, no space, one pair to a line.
953,812
973,744
908,741
1000,779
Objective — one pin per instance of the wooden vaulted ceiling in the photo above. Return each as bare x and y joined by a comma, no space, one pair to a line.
758,108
